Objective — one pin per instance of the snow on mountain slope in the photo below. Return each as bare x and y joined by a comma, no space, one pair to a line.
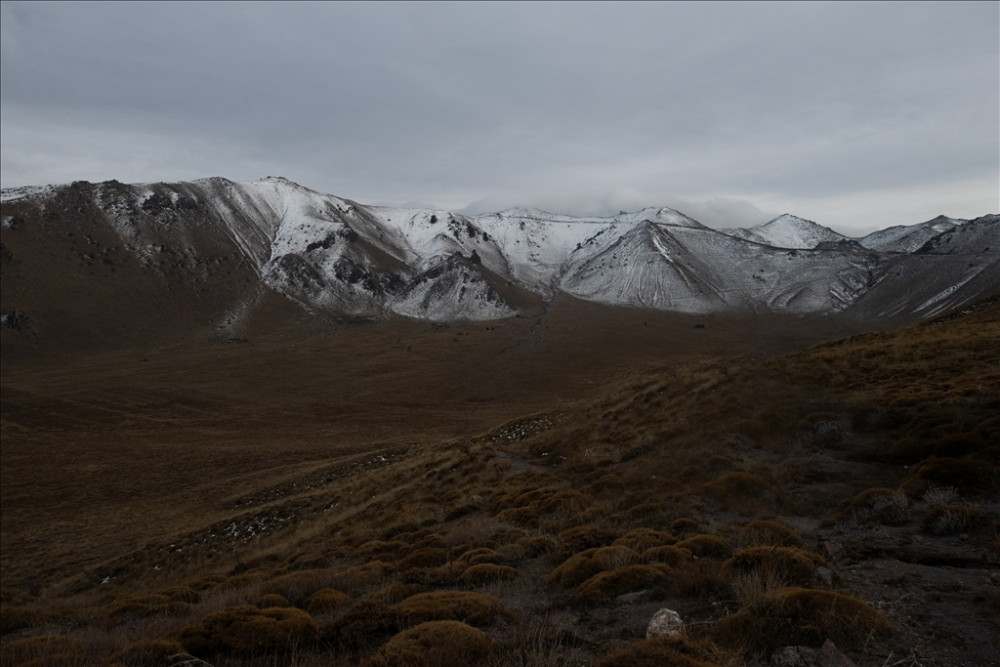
333,254
789,231
703,270
907,238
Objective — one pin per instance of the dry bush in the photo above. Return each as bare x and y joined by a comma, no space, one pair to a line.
576,569
940,495
641,539
739,491
151,653
39,648
382,549
768,533
423,558
673,556
19,618
604,587
608,486
614,556
861,506
530,547
434,644
953,519
800,616
472,608
473,557
244,580
790,564
139,605
566,501
519,516
364,625
326,600
702,578
662,651
274,600
684,526
359,579
574,540
487,573
298,586
968,476
247,630
706,546
397,592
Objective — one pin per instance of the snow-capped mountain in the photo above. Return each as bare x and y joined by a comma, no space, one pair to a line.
224,244
789,231
907,238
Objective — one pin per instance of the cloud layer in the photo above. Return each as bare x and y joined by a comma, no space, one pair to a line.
854,115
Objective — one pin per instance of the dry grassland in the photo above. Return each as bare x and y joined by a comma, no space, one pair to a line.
525,492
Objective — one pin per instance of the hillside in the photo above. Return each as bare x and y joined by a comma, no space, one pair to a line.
524,493
111,265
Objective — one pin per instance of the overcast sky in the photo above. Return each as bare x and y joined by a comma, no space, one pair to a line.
855,115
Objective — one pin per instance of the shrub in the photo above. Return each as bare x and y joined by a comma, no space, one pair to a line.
151,652
434,644
606,586
790,564
576,569
274,600
298,586
567,500
39,647
968,476
518,516
641,539
485,573
769,533
244,629
531,547
326,600
397,592
662,651
799,616
953,519
668,555
613,557
740,491
472,608
574,540
684,526
363,625
425,557
706,546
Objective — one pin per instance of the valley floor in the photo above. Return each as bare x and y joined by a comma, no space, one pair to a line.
546,484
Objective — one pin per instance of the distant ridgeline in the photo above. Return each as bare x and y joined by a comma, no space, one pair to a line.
219,243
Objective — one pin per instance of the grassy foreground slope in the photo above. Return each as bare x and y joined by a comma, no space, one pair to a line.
846,492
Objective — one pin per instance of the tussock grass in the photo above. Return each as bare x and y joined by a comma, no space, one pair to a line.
669,487
800,616
659,651
476,609
434,644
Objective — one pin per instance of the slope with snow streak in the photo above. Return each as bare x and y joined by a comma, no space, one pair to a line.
789,231
910,237
701,270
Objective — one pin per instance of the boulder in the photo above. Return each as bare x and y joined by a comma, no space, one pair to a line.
665,622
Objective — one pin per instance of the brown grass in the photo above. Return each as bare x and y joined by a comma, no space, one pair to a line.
434,644
799,616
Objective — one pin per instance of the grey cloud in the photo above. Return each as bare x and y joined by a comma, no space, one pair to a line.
580,106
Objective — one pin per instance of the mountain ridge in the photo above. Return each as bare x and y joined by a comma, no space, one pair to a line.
329,254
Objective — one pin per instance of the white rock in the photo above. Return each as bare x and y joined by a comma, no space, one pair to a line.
665,622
